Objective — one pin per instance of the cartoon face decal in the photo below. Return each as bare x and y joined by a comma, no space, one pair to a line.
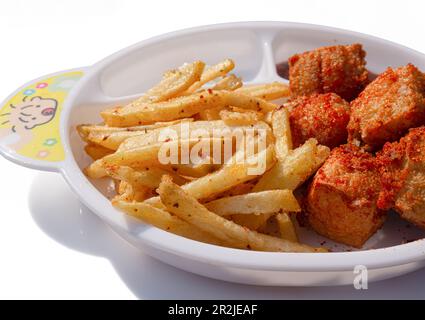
27,115
31,113
30,118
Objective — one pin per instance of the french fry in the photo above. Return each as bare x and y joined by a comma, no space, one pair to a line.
112,137
297,167
286,227
245,101
112,140
238,190
149,177
165,221
255,203
138,157
211,73
85,129
137,113
129,193
186,207
96,152
96,170
181,107
251,221
235,118
195,170
174,83
282,132
230,83
269,91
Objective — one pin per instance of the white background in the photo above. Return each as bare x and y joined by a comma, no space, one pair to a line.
49,248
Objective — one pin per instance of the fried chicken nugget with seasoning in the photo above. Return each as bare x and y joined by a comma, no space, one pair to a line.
341,200
388,107
339,69
320,116
403,176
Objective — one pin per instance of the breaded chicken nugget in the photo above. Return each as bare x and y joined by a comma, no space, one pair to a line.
339,69
341,201
388,107
403,176
320,116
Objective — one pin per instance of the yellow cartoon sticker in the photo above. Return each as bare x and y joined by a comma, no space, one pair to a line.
29,121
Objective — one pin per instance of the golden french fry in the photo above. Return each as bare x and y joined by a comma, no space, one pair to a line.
128,193
195,170
85,129
186,207
245,101
296,168
96,152
271,201
282,133
286,227
137,157
149,177
234,118
112,140
174,83
165,221
211,73
180,107
239,189
230,82
138,113
269,91
112,137
251,221
96,170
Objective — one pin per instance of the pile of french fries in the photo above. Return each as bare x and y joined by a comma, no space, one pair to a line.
221,204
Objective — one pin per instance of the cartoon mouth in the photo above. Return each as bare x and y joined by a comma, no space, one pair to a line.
48,111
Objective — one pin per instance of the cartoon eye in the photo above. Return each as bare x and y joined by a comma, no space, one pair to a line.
48,111
37,106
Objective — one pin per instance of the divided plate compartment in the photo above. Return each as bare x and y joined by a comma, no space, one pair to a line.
124,76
